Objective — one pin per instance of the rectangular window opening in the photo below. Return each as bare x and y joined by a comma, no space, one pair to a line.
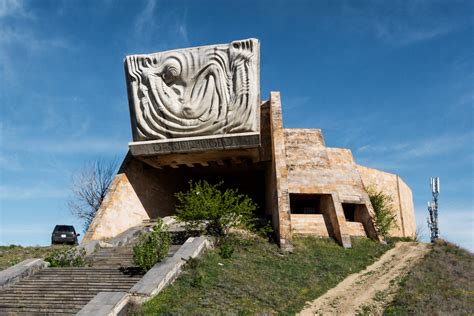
305,203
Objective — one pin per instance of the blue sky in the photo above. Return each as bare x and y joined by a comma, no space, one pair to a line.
391,80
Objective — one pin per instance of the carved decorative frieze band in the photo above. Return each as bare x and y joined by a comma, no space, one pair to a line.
209,90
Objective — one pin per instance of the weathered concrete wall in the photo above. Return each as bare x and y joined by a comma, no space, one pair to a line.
402,200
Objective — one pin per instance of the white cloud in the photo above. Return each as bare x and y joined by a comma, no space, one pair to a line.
11,8
145,20
38,191
456,225
70,146
422,148
402,23
159,28
26,38
398,33
10,163
291,103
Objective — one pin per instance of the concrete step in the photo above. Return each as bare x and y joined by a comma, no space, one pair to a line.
91,288
37,311
84,277
77,283
57,293
48,296
24,301
16,313
61,305
73,286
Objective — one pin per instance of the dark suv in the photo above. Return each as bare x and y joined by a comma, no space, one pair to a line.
64,234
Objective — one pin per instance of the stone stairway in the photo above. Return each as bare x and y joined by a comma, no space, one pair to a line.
64,291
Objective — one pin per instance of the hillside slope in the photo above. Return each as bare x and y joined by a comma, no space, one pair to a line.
257,278
368,290
441,284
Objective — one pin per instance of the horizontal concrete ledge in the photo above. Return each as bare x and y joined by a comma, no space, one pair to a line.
165,272
21,270
195,144
106,304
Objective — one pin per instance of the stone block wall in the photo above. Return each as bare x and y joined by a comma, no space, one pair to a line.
278,175
315,169
402,199
290,161
309,224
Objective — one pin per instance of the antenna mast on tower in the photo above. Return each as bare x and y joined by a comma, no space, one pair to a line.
433,209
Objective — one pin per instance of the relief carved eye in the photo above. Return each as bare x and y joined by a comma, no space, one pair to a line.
170,74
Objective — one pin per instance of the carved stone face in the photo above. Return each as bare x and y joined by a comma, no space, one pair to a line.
199,91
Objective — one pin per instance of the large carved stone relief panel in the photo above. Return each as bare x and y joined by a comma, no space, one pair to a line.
209,90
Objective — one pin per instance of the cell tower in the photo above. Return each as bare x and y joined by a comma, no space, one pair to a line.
433,209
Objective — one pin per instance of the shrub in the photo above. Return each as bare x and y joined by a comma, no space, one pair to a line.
69,257
198,280
385,217
152,247
206,208
226,250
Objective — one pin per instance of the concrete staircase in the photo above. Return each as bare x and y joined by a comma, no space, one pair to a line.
64,291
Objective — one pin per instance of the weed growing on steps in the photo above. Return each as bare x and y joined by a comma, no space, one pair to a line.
69,257
152,247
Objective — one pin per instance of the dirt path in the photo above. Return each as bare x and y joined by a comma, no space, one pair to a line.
368,291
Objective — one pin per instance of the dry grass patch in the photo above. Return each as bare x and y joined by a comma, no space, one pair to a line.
13,254
442,284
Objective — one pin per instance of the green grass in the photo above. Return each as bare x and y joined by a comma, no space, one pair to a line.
442,284
259,279
11,255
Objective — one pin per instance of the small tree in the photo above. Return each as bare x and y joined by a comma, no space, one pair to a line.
152,247
89,187
206,206
385,217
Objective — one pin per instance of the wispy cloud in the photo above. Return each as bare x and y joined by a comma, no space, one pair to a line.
402,23
10,163
295,102
25,37
145,21
160,26
410,155
395,32
421,148
12,8
68,146
38,191
20,38
456,224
